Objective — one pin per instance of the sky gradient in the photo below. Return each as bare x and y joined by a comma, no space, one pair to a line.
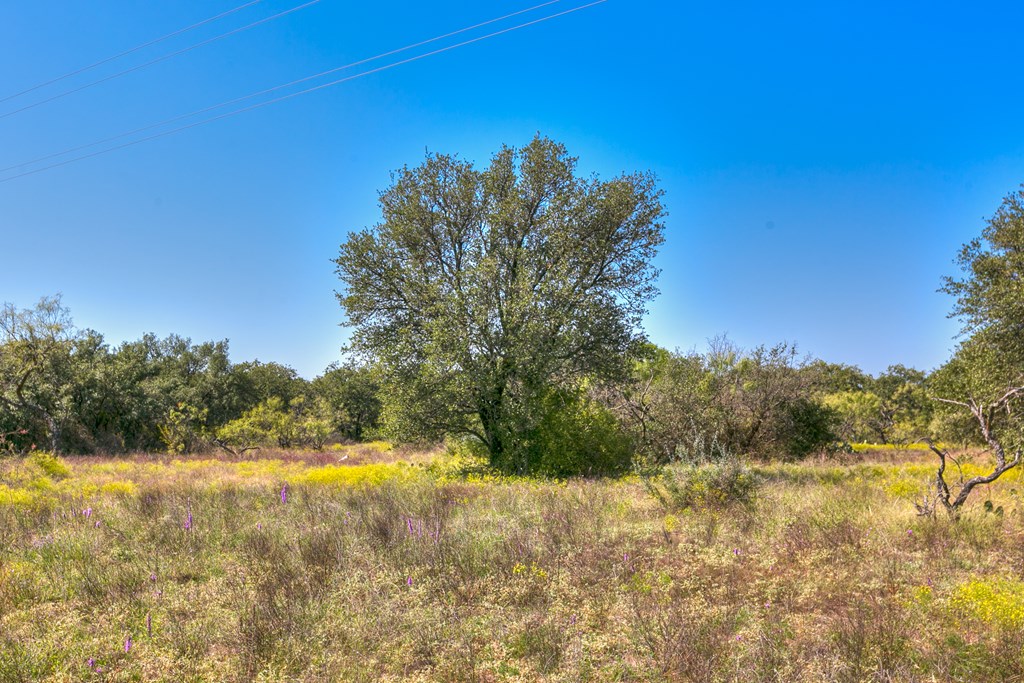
821,162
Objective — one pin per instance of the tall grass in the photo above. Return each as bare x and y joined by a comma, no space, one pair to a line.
291,570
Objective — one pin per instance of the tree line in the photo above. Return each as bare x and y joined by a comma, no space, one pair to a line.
66,390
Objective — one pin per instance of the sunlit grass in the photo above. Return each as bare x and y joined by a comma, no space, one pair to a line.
307,568
875,447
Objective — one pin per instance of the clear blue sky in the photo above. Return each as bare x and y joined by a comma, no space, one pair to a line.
821,162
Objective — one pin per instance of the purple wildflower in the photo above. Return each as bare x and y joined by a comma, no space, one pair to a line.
188,520
625,557
128,644
408,523
736,552
259,526
87,513
152,577
284,493
91,662
408,581
97,524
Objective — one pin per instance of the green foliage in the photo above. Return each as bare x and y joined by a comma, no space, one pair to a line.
832,378
67,390
352,396
483,289
183,431
808,428
988,366
990,298
856,413
685,486
50,464
985,377
274,423
671,401
982,373
765,393
577,435
758,403
37,367
261,381
254,429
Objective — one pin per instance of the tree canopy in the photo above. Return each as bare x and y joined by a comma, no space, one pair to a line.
990,299
67,390
481,290
985,378
988,367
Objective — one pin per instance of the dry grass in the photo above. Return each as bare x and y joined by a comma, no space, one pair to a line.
381,571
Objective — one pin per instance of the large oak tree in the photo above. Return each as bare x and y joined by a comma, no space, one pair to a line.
482,289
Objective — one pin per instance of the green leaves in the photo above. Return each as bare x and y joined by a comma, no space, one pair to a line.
481,288
298,424
989,364
991,297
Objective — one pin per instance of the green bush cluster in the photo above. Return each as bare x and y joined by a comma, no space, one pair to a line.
708,485
273,423
578,436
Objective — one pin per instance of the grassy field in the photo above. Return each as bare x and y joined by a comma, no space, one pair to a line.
310,568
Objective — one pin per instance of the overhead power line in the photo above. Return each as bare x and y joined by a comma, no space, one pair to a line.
131,51
276,88
159,59
303,92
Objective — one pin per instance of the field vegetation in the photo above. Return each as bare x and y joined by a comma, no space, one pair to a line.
296,567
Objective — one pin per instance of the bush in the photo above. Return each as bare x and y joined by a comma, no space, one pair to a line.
49,464
709,485
578,436
808,429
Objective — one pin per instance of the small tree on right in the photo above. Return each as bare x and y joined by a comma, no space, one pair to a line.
985,377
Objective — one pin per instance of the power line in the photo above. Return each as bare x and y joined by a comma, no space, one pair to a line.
267,91
303,92
159,59
131,51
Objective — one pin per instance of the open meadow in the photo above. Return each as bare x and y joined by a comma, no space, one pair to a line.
450,342
406,566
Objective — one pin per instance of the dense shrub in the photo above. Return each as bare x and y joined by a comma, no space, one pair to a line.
708,485
761,403
808,428
578,436
574,435
48,463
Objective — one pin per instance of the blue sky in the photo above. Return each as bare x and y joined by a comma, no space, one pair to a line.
822,162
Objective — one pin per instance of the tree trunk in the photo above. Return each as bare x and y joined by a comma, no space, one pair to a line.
54,428
492,420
